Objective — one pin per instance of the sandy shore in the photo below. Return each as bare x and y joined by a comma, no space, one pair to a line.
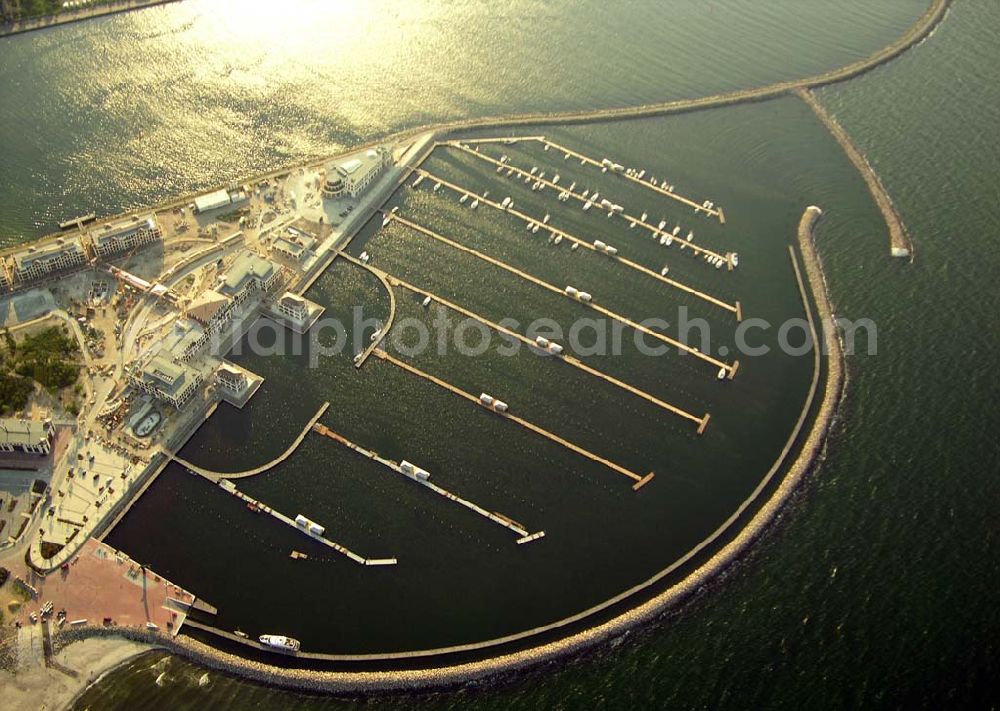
47,688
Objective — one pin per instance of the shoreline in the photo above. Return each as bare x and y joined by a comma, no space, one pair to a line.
458,674
55,687
30,24
437,131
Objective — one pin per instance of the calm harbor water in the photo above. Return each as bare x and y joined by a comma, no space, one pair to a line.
879,586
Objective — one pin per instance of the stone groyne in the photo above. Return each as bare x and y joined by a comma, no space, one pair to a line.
810,444
899,240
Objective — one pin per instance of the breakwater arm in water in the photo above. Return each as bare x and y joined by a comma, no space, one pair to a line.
899,240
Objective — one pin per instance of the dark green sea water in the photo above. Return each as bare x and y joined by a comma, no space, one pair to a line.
878,587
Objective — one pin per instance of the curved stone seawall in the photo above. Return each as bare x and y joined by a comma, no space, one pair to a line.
367,681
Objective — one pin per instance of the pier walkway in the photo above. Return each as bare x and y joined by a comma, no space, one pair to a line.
218,476
697,249
730,369
640,481
360,358
701,422
713,211
495,517
900,244
257,506
734,308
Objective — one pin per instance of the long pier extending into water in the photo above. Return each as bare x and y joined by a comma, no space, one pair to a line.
701,422
585,200
640,481
727,368
218,476
412,475
899,240
734,308
713,211
259,507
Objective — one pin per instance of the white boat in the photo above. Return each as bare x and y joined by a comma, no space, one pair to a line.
280,642
644,216
690,236
572,185
718,263
506,202
586,192
735,259
663,272
663,223
510,172
545,220
534,229
676,230
465,196
670,240
555,180
574,246
663,239
426,302
631,225
527,225
534,169
594,196
558,239
419,180
541,175
385,220
475,204
437,186
722,374
587,205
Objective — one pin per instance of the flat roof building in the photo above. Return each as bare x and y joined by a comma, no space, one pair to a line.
36,262
31,436
132,233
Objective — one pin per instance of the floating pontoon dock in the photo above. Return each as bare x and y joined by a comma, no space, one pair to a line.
640,481
730,369
683,244
398,467
702,422
255,505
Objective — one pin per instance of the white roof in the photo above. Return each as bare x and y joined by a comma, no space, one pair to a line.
210,201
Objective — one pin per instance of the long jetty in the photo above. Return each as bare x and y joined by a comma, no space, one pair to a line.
734,308
259,507
360,358
218,476
701,422
713,211
729,369
579,197
495,517
640,481
899,240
